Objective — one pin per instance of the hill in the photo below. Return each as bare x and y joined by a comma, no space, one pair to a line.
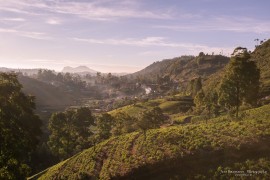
171,106
46,94
184,68
200,150
79,70
262,57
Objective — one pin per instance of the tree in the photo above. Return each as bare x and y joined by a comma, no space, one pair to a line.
207,102
211,103
150,119
199,101
201,54
240,83
70,131
104,126
194,86
122,124
20,128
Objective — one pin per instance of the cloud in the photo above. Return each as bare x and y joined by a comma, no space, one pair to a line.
18,10
223,23
94,10
28,34
13,19
157,42
148,41
53,21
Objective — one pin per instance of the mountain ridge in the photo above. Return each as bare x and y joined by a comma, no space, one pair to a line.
78,69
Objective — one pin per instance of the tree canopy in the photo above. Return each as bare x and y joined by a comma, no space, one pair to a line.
70,131
151,119
19,128
240,83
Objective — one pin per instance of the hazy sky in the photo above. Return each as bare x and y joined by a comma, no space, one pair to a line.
124,35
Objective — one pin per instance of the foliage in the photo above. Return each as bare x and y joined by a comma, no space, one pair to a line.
241,81
20,128
150,119
123,123
208,103
104,126
169,105
70,131
178,151
261,55
71,80
182,69
195,85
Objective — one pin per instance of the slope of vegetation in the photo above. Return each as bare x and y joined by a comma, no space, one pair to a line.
169,106
184,68
262,57
192,151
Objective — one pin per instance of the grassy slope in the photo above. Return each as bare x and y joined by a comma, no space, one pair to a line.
178,151
184,68
169,107
135,109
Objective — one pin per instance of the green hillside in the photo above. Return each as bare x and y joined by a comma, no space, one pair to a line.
192,151
169,105
262,57
184,68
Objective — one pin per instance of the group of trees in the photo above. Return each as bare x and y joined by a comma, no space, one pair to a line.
76,129
20,129
66,79
70,131
239,85
73,130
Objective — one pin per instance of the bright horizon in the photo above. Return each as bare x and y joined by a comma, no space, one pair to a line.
124,35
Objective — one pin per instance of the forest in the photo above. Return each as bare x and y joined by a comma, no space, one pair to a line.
189,117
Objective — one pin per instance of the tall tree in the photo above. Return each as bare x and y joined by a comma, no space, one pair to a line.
19,128
104,126
207,102
194,86
240,83
70,131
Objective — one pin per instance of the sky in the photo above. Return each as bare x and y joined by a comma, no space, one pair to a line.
124,35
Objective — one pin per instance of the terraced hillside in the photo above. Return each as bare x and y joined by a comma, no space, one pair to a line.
169,105
192,151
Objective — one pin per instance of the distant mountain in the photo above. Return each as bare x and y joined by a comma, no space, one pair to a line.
79,70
